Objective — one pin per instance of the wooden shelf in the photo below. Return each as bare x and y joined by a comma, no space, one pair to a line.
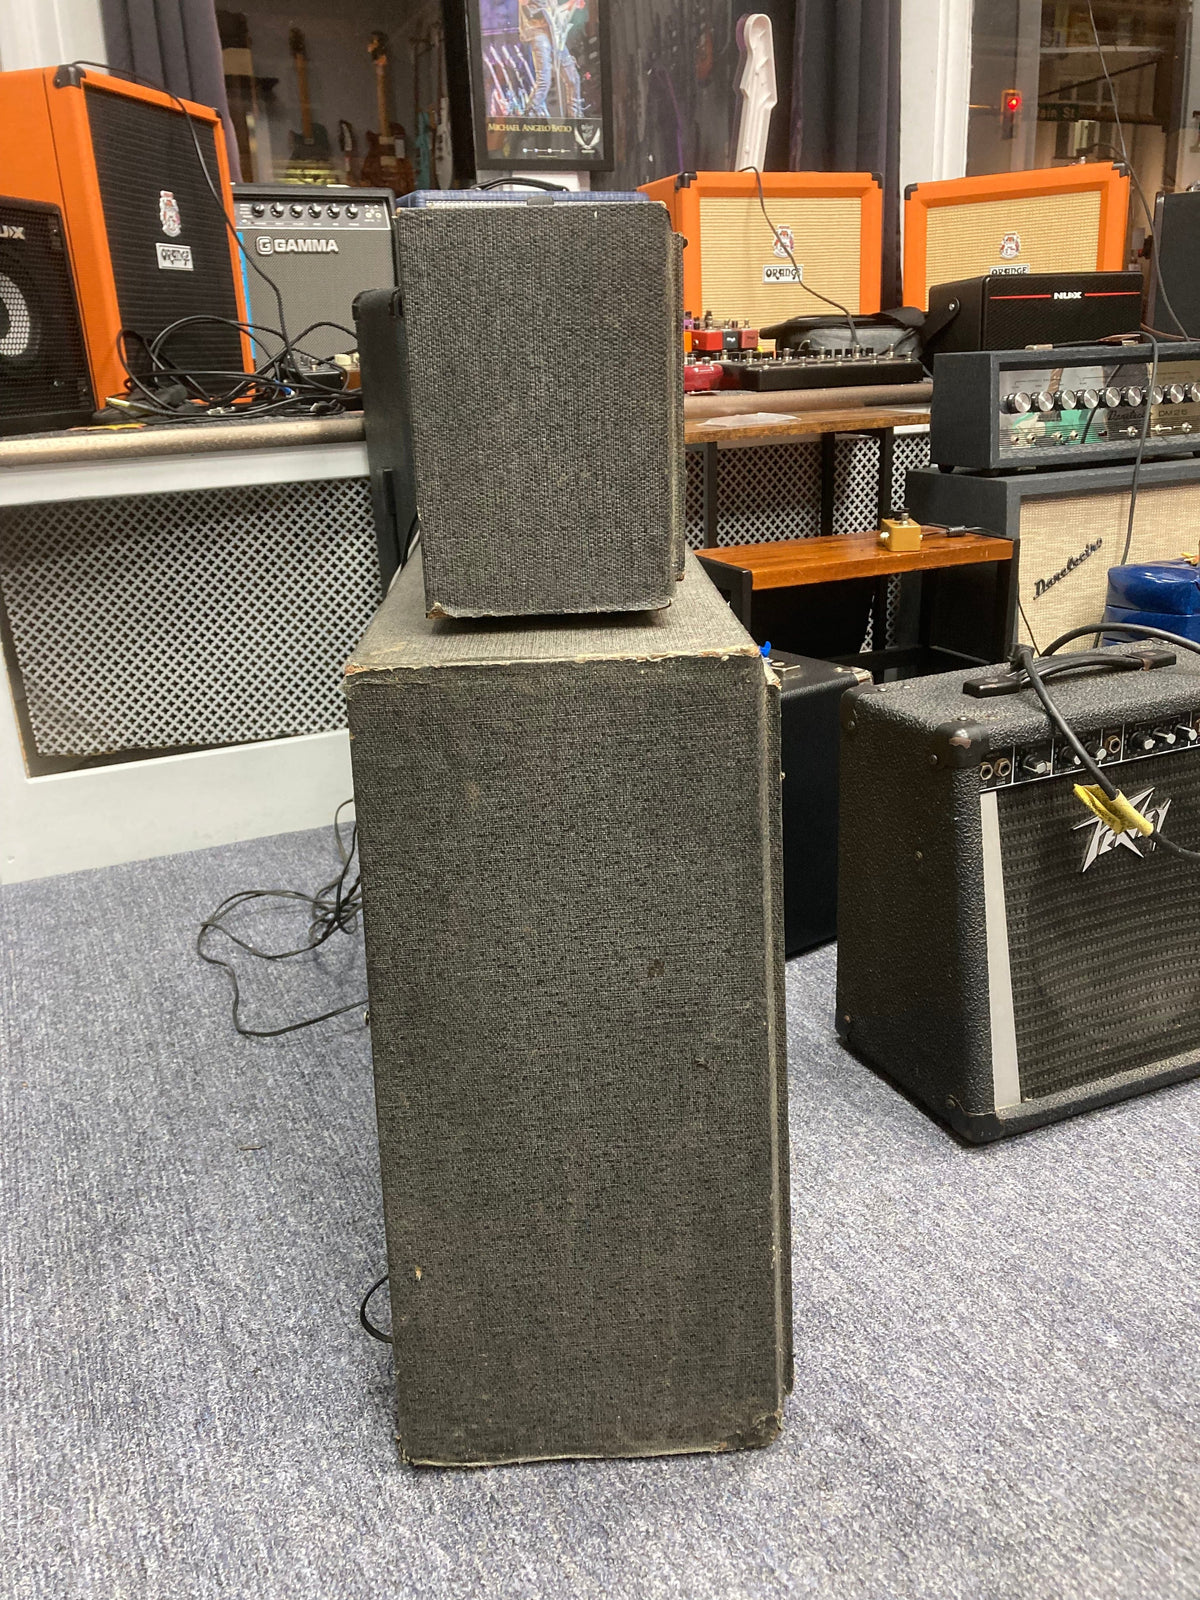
798,424
789,563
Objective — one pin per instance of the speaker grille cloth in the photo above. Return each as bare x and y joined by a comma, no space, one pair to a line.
571,875
1060,529
142,150
43,366
1058,233
736,244
1105,963
209,617
547,399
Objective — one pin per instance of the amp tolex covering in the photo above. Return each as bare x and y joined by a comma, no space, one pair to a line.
570,843
524,403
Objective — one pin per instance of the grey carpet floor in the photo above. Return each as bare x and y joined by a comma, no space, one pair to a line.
997,1391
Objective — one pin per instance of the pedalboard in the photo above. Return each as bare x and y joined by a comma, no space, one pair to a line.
1005,410
829,369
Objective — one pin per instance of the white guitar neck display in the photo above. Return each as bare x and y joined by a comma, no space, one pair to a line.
758,91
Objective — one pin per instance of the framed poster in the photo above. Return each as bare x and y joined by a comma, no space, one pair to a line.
540,84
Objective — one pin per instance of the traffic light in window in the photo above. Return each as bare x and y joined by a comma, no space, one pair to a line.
1010,105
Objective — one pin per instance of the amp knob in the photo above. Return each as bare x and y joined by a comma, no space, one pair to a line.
258,209
1089,399
1176,393
1133,395
277,209
1043,400
1110,397
1019,402
1066,400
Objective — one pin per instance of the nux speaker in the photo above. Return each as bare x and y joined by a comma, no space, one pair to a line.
735,267
44,378
1025,961
1177,240
1009,224
997,313
1070,527
524,405
574,931
320,247
149,240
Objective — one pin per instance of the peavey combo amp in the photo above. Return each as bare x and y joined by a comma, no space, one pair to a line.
734,266
44,379
320,247
574,933
1070,526
1025,962
1009,224
149,241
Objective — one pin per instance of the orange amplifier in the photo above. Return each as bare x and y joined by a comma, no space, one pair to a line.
146,234
733,265
1059,219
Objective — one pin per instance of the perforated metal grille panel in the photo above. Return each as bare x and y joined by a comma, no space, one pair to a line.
769,492
1057,233
1105,963
774,491
209,617
911,451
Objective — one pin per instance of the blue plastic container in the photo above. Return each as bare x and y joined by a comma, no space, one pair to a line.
1158,594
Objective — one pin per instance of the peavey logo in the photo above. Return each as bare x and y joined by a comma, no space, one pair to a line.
1068,294
1042,584
266,246
11,231
1103,839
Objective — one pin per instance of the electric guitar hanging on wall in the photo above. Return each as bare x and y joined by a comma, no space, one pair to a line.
311,149
386,164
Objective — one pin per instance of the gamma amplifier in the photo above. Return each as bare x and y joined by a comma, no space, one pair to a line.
999,410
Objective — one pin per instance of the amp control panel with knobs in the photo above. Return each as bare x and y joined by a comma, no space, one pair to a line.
1000,410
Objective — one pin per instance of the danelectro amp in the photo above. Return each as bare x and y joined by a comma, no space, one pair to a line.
1003,955
996,410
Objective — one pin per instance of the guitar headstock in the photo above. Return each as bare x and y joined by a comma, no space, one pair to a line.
378,49
297,44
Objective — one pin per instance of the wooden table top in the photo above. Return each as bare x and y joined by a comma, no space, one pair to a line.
787,563
766,426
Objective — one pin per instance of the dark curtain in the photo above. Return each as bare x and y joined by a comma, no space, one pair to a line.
675,72
173,43
846,103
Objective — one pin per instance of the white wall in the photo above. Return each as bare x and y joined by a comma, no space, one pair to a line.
935,89
43,33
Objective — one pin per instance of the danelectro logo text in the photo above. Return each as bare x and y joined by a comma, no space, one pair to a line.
1042,584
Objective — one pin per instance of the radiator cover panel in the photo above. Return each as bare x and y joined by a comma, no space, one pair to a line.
204,617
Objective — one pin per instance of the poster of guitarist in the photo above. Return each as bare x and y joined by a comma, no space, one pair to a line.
541,80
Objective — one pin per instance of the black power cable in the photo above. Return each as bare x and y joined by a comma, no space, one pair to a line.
1024,659
279,385
335,908
787,250
376,1333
